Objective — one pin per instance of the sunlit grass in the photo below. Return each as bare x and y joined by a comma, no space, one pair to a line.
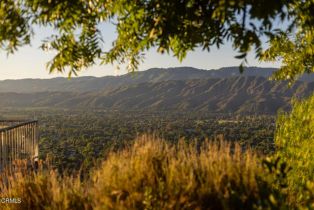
153,174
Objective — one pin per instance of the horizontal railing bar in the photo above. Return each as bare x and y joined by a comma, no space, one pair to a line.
18,125
17,120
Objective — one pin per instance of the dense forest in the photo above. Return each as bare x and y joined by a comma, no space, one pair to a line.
75,139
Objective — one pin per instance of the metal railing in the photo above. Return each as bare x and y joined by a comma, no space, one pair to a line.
18,141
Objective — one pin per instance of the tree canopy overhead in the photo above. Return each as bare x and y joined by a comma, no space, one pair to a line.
176,26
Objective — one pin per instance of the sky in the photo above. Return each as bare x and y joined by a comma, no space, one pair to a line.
30,61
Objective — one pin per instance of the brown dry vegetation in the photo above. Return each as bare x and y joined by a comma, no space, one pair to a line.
153,174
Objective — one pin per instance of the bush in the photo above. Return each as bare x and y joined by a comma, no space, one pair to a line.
295,145
154,175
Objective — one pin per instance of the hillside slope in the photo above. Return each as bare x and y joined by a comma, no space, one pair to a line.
234,94
87,84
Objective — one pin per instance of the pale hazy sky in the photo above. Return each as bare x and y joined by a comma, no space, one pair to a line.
30,61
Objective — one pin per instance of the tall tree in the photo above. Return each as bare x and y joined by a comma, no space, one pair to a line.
176,26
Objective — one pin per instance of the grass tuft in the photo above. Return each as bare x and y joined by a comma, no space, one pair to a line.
153,174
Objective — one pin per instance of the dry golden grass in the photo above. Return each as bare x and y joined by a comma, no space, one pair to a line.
42,190
152,174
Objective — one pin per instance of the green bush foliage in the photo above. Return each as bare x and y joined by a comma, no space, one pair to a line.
295,141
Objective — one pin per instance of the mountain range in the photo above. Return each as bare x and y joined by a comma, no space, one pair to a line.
182,88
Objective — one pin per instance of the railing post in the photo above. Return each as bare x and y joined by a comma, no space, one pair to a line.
1,149
36,133
5,156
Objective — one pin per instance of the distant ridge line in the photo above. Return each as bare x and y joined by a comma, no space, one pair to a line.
88,83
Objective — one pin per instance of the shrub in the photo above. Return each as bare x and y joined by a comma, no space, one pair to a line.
154,175
295,145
